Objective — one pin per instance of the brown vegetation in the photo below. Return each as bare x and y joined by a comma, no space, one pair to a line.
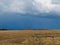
30,37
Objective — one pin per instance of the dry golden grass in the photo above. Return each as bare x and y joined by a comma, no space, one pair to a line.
30,37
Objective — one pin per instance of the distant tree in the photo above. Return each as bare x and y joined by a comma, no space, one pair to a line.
3,29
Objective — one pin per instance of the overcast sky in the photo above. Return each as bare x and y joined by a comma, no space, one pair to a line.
28,6
11,12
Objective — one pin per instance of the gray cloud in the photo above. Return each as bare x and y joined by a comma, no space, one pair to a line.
29,6
21,6
55,1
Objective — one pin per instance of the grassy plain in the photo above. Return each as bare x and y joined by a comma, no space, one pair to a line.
30,37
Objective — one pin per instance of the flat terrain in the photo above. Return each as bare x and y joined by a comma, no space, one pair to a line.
30,37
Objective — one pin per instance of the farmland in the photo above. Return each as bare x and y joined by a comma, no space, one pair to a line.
30,37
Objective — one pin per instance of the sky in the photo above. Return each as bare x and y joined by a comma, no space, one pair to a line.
16,11
26,6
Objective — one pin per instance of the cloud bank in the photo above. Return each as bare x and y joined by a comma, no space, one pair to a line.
30,6
20,6
46,6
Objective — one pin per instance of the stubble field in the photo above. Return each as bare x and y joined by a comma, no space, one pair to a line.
30,37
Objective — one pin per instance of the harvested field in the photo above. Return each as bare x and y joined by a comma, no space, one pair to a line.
30,37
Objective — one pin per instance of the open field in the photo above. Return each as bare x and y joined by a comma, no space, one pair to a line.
30,37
